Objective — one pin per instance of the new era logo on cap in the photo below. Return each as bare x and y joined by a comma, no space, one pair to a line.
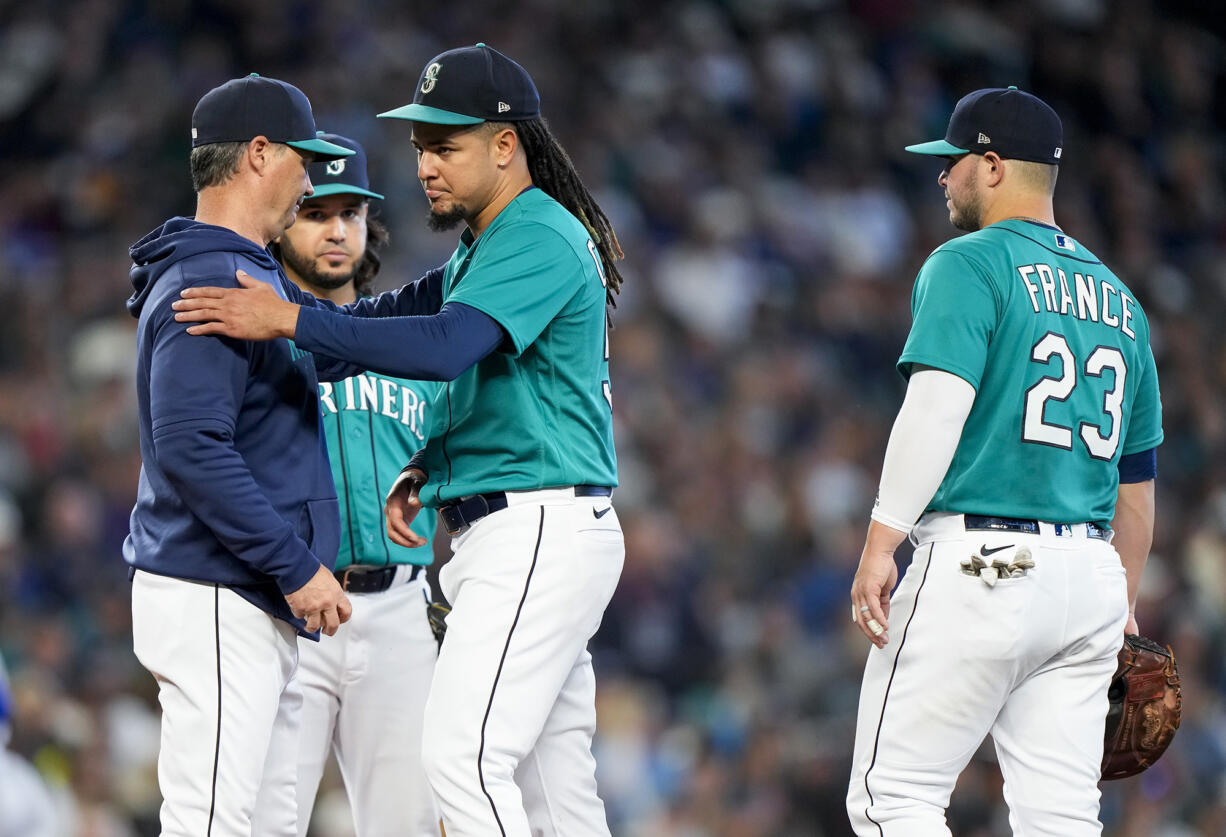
984,139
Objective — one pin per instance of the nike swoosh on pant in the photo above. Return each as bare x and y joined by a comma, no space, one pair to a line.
602,512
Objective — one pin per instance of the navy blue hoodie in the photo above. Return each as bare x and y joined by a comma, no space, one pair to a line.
235,486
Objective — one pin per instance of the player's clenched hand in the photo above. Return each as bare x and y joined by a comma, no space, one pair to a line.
250,312
401,507
321,602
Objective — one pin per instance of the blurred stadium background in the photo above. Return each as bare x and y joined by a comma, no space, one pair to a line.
749,152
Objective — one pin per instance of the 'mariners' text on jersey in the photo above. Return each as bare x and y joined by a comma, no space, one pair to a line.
1085,299
379,395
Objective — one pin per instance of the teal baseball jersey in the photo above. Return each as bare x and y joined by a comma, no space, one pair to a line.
536,412
373,424
1058,351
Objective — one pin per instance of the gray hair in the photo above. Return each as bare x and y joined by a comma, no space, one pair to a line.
215,163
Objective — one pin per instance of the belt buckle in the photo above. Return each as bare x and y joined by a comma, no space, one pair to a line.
345,577
467,520
460,527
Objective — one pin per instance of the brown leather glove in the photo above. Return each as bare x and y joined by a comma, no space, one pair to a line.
1146,702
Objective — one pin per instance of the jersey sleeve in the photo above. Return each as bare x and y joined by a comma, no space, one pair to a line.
522,277
1145,425
955,309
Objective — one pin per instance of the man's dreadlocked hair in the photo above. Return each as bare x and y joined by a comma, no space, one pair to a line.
552,170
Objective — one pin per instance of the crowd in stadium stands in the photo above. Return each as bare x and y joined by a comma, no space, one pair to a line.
750,155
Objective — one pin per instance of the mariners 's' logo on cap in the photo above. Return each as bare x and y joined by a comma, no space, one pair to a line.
430,77
335,167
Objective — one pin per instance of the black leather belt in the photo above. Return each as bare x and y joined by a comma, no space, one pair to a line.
359,578
459,516
980,523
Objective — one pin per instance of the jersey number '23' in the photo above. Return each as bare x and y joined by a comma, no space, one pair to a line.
1038,431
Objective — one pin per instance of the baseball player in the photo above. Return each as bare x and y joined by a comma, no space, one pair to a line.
232,541
520,464
26,808
365,689
1025,447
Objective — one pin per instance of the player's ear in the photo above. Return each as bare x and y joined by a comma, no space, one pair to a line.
259,151
993,168
506,141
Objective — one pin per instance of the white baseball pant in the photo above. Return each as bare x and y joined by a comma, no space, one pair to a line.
511,711
364,695
230,708
1027,660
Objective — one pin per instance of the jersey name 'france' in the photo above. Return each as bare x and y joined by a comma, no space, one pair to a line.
1050,290
1058,351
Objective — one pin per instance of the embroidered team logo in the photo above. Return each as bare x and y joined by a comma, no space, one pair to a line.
430,77
1063,242
335,167
984,139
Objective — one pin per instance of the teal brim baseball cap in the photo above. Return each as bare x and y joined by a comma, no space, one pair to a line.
1015,124
320,148
471,85
252,106
937,148
346,176
341,189
435,116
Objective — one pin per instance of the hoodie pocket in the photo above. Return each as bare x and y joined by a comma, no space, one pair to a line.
319,526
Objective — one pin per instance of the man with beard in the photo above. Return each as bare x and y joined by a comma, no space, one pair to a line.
232,540
1025,449
520,463
364,690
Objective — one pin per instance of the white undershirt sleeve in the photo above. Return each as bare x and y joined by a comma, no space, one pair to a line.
921,446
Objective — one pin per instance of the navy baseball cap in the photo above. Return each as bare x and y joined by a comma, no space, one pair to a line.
470,85
346,176
244,108
1011,122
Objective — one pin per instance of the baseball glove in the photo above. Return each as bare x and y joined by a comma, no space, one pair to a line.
1146,701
